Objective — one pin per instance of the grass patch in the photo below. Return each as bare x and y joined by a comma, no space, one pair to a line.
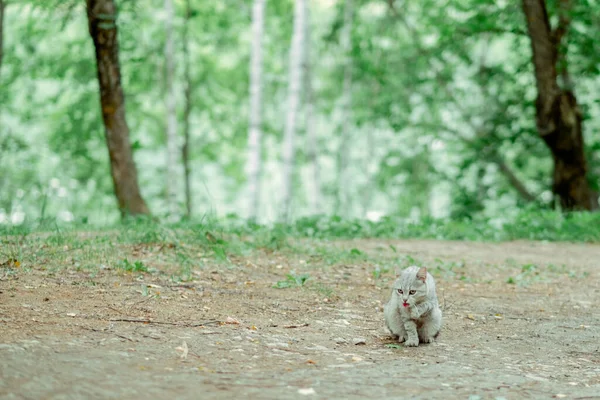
136,266
292,280
179,249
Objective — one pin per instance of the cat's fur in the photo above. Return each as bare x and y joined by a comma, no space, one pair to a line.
421,318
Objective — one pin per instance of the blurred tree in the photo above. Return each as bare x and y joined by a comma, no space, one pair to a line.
102,18
171,114
312,146
254,156
558,115
294,91
342,195
187,110
2,5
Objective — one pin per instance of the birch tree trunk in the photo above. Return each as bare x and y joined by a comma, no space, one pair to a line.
2,5
102,17
294,88
344,156
254,157
558,116
185,149
172,145
312,148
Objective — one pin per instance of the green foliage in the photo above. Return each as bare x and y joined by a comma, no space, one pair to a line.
531,223
442,97
136,266
292,280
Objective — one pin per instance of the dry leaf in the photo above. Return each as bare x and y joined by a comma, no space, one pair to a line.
210,237
470,316
11,263
232,321
183,349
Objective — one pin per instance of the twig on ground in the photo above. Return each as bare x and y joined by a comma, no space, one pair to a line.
108,332
295,326
150,321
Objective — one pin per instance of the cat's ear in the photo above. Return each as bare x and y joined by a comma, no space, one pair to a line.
422,274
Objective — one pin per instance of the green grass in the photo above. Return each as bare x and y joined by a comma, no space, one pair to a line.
292,280
526,224
143,245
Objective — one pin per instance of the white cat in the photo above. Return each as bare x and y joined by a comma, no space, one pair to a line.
413,313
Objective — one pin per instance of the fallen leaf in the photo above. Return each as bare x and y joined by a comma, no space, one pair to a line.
310,362
232,321
183,349
470,316
210,237
11,263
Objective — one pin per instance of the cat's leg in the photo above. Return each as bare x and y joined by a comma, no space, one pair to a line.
412,339
394,322
419,309
431,326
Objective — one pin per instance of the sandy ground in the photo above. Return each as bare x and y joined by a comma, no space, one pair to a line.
521,321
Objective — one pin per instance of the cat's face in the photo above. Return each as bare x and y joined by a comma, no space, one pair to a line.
411,287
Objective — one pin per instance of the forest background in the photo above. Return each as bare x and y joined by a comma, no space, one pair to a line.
321,113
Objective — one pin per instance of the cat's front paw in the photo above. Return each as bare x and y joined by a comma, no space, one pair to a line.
427,340
411,342
414,313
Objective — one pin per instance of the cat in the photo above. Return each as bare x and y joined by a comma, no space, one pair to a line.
413,313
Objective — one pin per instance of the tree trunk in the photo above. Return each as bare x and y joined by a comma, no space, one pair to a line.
312,147
254,158
187,111
294,87
2,5
343,200
558,117
172,145
102,16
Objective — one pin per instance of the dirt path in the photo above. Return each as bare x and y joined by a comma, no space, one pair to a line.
521,321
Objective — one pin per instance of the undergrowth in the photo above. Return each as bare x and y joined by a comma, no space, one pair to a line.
139,245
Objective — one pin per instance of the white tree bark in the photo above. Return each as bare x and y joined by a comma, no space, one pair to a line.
185,148
2,5
254,157
294,88
344,156
172,145
312,147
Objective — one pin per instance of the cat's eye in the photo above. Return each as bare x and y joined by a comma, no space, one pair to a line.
412,292
399,291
